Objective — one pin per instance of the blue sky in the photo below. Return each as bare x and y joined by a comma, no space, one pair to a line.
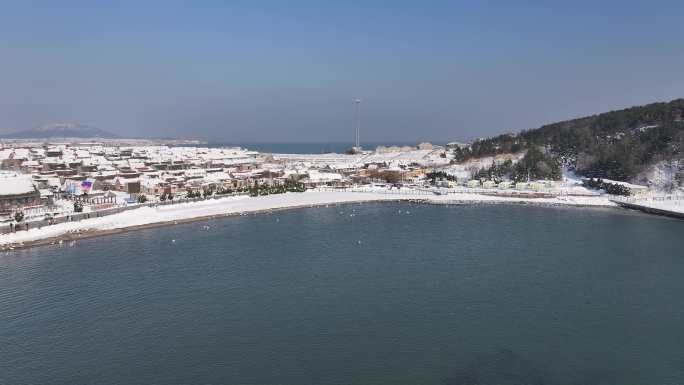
248,71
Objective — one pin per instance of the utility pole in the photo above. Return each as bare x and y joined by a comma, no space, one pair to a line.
357,103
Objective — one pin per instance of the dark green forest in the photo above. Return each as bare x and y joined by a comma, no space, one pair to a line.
614,145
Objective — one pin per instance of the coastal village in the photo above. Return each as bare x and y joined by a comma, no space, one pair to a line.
43,184
53,180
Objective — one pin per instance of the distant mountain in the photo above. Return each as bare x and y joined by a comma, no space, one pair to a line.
61,130
618,145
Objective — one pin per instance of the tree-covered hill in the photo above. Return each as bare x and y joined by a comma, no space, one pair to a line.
615,145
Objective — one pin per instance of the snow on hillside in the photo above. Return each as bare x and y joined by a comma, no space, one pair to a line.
465,169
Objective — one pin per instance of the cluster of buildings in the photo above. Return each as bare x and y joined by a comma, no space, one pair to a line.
47,179
43,181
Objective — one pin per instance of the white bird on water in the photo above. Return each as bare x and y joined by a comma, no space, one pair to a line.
173,241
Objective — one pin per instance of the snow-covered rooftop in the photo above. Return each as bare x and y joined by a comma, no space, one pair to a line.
16,184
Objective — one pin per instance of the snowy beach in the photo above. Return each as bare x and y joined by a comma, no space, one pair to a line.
667,205
184,212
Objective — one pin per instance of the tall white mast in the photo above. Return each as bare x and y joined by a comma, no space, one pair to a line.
357,103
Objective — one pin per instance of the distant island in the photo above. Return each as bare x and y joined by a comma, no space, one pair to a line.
61,130
80,133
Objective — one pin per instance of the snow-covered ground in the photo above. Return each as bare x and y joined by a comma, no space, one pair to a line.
673,203
596,201
244,204
465,170
674,206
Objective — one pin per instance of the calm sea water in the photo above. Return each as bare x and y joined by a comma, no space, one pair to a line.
359,294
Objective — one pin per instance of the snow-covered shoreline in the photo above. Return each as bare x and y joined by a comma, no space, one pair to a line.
183,212
666,205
